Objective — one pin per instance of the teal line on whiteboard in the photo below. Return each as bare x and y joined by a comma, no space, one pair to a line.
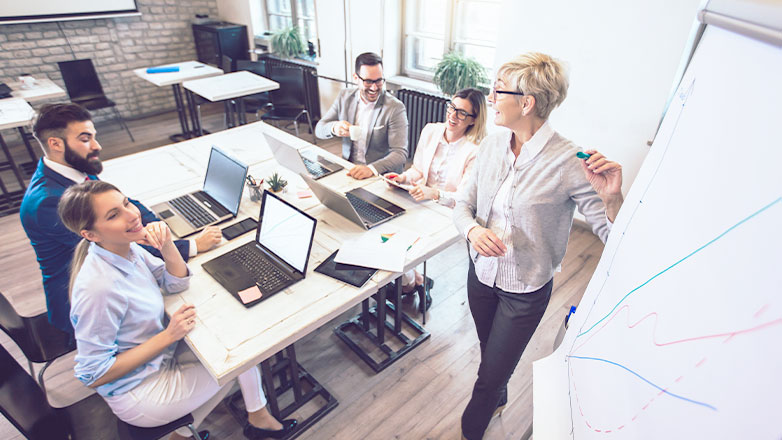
645,380
680,261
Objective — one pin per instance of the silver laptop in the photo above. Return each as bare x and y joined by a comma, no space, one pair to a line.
358,205
308,163
219,200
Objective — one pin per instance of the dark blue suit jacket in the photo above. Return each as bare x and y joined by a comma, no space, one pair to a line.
54,243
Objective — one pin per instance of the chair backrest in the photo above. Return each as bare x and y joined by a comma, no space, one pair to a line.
36,337
14,326
24,404
227,64
256,67
81,79
291,94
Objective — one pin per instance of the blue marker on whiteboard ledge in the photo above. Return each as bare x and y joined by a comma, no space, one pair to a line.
582,155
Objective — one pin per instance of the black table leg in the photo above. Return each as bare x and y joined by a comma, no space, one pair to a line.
359,325
182,114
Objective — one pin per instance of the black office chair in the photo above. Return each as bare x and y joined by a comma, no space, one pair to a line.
259,101
289,102
24,405
36,337
84,88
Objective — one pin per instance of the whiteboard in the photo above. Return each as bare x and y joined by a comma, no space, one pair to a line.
45,10
679,332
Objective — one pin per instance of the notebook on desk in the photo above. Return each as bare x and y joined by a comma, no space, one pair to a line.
274,261
300,163
217,201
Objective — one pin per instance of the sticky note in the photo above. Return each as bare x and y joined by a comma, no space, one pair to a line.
304,194
250,294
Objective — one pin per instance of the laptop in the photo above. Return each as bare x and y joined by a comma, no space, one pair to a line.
358,205
274,261
217,201
308,163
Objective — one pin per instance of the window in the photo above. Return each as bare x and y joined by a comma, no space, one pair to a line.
436,27
283,13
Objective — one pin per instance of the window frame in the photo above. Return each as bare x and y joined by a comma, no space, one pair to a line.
449,39
295,17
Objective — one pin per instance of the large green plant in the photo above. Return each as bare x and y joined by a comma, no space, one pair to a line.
456,72
287,43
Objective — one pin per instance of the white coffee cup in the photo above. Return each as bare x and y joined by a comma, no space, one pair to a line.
355,132
27,81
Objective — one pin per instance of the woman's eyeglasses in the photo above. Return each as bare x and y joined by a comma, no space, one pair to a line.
495,92
460,114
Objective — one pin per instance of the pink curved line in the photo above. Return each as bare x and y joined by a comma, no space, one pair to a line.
726,335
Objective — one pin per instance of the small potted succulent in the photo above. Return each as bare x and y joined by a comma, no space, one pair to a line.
287,43
456,71
276,183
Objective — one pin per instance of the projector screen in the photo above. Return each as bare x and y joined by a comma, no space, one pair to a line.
29,11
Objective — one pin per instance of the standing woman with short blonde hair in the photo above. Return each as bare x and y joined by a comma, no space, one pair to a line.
516,212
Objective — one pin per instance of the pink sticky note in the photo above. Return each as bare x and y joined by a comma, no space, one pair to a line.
250,294
304,194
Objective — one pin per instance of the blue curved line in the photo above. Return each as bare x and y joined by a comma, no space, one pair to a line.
646,380
678,262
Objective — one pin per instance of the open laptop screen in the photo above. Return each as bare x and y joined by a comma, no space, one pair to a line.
286,231
224,180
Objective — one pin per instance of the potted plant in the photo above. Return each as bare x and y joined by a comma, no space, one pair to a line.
276,183
287,43
456,71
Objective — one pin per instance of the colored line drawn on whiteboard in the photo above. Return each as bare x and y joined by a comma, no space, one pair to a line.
709,243
663,390
726,335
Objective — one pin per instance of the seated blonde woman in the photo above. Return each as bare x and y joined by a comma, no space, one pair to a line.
124,350
443,158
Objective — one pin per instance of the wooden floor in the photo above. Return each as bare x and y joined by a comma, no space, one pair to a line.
421,396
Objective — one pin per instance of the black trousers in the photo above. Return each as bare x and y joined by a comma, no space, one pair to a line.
505,323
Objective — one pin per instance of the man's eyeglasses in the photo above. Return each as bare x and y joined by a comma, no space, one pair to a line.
369,82
460,114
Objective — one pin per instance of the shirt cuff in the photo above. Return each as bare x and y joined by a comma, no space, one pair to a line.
193,251
468,228
609,223
374,170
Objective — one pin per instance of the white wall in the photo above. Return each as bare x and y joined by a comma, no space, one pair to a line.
622,56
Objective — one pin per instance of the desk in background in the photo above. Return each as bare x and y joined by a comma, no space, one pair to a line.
188,70
14,113
230,86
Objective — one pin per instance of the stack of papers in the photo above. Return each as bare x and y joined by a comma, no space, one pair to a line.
384,249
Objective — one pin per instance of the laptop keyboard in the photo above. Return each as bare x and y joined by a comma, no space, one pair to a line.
268,276
366,210
192,211
314,168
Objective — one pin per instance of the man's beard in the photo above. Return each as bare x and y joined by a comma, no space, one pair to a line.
89,165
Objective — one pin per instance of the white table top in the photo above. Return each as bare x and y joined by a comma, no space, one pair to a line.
228,337
188,70
231,85
43,89
15,112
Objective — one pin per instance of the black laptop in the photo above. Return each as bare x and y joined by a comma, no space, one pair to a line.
276,259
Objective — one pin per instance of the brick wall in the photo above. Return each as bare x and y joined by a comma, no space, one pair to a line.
162,34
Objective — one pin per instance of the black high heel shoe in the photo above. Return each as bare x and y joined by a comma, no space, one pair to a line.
252,432
421,291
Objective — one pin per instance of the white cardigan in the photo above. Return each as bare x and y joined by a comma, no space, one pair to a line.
459,164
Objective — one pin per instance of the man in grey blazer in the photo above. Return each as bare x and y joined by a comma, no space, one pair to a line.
377,120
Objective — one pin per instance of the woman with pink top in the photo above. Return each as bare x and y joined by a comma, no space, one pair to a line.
443,158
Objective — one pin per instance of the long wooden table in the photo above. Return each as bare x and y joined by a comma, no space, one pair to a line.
229,338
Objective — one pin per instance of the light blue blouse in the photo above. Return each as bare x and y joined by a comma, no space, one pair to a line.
116,304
